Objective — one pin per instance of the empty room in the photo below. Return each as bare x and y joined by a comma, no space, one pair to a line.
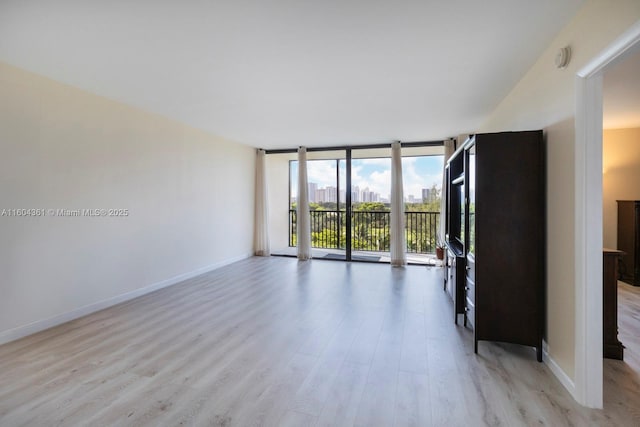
280,213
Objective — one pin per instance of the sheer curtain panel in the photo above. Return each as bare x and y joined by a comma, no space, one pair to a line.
261,237
398,238
302,208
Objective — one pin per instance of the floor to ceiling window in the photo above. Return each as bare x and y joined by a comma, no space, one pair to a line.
353,223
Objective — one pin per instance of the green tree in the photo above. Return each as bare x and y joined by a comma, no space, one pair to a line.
371,206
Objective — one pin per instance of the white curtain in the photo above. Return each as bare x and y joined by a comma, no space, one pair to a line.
261,237
302,208
449,148
398,238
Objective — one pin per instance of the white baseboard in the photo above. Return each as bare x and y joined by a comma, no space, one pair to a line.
41,325
560,374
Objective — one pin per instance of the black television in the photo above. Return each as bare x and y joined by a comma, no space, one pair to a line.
456,217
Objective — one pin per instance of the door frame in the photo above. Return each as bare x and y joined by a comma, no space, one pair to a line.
588,214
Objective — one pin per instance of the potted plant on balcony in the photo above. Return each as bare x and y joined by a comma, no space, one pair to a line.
439,247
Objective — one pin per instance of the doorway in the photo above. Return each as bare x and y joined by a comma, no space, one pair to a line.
589,217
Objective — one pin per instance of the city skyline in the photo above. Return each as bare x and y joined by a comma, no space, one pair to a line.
373,175
328,195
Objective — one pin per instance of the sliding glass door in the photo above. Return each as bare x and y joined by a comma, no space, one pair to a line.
370,229
326,172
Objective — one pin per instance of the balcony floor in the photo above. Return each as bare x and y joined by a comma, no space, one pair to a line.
367,256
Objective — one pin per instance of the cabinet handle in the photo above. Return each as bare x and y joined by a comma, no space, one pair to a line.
466,288
467,268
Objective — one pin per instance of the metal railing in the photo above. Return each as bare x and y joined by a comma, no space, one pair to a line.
370,230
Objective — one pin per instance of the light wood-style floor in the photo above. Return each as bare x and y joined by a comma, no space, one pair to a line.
273,341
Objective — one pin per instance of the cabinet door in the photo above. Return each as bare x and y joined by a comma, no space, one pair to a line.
629,240
636,245
451,275
470,237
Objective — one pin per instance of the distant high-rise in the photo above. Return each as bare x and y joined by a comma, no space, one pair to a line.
313,187
369,196
355,194
366,195
331,194
426,195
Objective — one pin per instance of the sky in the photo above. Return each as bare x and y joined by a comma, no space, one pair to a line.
418,173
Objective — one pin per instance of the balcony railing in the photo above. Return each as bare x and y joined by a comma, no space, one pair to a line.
370,230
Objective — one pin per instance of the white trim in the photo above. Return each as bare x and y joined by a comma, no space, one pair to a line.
588,216
614,53
588,242
561,375
41,325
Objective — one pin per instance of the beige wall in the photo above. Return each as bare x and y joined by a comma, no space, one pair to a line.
545,99
189,196
278,188
621,176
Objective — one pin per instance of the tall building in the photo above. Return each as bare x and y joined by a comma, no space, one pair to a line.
313,187
365,195
426,195
369,196
355,194
331,194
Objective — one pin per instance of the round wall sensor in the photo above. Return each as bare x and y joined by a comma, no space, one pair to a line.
563,57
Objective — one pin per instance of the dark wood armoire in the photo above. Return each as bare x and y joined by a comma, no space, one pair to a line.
496,217
629,240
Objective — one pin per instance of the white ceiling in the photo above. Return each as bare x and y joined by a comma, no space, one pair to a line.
283,73
621,94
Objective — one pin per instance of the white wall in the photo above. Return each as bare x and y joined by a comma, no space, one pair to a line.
621,176
545,99
278,188
189,196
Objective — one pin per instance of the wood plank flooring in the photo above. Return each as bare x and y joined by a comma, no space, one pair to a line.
277,342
